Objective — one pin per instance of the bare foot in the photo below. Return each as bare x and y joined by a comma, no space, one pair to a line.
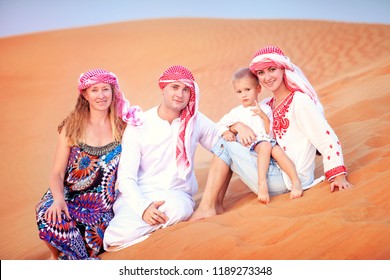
54,253
201,214
219,209
296,190
263,194
52,258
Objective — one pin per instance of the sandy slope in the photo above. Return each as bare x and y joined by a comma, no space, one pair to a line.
348,64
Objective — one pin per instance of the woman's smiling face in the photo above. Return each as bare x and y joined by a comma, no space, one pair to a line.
271,78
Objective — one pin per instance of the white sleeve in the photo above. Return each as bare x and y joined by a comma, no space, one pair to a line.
208,134
226,121
127,178
268,111
312,121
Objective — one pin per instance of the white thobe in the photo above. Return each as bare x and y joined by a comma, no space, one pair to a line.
147,172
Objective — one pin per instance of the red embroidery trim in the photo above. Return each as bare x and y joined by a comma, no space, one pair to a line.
281,123
335,171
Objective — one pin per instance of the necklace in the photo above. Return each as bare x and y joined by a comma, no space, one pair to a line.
98,151
276,103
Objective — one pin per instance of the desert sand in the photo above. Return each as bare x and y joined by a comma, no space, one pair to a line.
347,63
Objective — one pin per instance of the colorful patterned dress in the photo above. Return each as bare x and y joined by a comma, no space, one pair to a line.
89,188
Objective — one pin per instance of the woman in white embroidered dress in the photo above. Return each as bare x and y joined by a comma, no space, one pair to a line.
299,126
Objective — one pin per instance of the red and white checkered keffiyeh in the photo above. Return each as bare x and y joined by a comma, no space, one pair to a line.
129,114
181,74
295,79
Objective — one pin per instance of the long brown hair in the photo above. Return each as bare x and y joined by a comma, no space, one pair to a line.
76,122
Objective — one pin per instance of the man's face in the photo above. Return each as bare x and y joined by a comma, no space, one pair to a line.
176,96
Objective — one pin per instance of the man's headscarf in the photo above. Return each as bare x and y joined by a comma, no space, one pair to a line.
295,79
181,74
129,114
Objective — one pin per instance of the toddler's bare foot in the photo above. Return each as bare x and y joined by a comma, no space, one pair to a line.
263,194
296,190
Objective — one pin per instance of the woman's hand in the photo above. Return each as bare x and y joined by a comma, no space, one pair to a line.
153,216
53,213
341,183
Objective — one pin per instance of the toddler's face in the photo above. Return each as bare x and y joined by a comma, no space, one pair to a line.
247,90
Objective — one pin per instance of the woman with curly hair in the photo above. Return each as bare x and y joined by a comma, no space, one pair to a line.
73,214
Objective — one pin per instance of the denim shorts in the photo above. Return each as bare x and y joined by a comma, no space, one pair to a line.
243,162
253,145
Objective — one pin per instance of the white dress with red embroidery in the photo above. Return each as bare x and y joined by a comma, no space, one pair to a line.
300,128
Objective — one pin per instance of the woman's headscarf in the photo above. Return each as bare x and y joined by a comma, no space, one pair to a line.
294,77
181,74
129,114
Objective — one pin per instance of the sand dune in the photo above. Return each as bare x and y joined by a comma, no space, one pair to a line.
348,64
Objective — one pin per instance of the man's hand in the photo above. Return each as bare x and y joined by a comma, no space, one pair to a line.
153,216
245,133
229,136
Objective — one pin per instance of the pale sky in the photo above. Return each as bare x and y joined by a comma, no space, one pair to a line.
27,16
